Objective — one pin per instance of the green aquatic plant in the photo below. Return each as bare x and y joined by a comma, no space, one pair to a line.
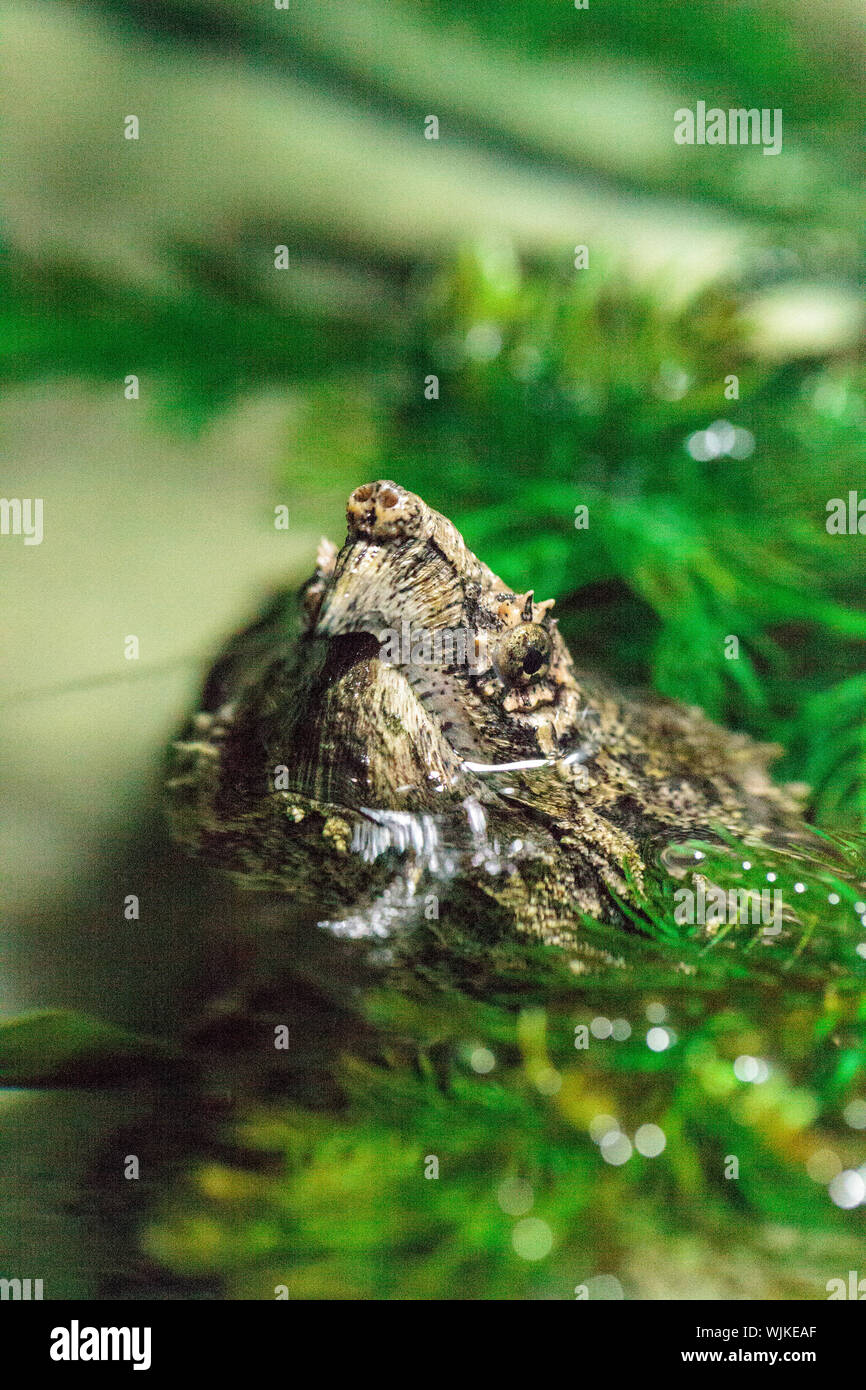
686,1123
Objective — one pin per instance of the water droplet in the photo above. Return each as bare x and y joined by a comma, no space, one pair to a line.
600,1125
847,1189
532,1238
855,1114
515,1196
483,342
616,1148
650,1141
482,1060
746,1068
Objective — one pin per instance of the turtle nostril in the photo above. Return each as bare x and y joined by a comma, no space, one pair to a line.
383,510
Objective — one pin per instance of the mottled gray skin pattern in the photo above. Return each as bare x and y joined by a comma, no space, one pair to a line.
310,740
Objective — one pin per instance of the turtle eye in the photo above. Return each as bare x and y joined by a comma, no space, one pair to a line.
523,653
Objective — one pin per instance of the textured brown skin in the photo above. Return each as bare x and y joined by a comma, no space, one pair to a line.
358,735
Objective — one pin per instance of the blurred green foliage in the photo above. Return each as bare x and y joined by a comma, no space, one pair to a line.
527,1201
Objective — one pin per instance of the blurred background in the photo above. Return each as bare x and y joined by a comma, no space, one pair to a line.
310,292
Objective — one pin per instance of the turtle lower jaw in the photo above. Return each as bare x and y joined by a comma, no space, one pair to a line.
359,736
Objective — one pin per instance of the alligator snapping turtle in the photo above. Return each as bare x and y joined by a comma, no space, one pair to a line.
410,760
426,710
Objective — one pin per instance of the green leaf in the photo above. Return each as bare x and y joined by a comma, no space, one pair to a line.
63,1048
